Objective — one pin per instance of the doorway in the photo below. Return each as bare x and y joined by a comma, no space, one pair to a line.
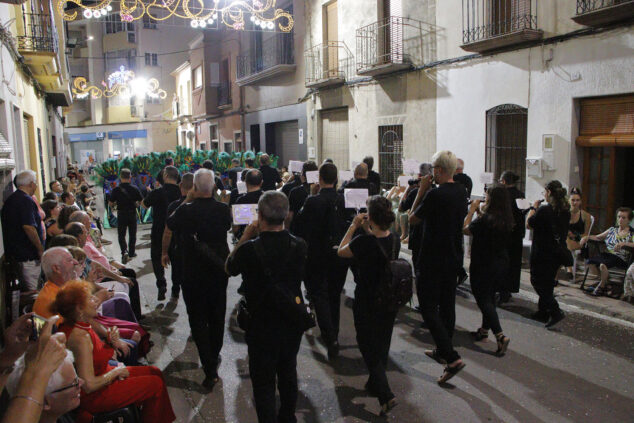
255,137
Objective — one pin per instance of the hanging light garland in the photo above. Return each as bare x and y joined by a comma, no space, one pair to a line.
120,83
261,13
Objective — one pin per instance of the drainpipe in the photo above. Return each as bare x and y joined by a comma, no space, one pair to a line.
242,119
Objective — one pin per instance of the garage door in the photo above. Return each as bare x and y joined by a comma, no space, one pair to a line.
334,137
287,141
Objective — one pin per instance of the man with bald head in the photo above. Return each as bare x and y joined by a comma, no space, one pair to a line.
361,180
202,224
58,266
270,176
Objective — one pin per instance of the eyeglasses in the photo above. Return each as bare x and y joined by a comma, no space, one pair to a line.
72,385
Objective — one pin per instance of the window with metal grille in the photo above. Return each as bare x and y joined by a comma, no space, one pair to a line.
390,154
506,141
151,59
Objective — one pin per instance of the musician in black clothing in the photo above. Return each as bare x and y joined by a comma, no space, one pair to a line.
373,176
253,180
159,199
127,198
299,194
361,180
321,222
272,339
516,241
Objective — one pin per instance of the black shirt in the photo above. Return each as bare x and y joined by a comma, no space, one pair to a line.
375,178
251,197
208,220
489,257
159,177
174,243
289,186
219,184
270,177
233,196
519,216
465,180
233,175
20,210
370,261
442,212
544,222
159,199
126,196
296,199
267,321
360,184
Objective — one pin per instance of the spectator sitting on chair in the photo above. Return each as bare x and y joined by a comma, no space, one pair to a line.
580,222
615,238
68,198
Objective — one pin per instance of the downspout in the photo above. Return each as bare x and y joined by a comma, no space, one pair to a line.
242,119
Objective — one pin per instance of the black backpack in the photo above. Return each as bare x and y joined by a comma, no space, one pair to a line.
395,284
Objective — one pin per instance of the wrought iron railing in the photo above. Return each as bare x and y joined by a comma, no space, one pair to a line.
330,60
224,93
484,19
391,40
277,50
39,33
586,6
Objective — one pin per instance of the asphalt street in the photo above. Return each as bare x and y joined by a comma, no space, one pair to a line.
580,371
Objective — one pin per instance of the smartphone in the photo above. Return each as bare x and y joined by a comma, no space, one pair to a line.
38,324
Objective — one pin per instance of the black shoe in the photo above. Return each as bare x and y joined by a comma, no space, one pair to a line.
540,316
555,318
210,382
387,406
480,335
161,294
505,297
462,278
125,258
333,350
433,354
133,255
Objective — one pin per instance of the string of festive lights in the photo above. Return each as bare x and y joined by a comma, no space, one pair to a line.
120,83
261,13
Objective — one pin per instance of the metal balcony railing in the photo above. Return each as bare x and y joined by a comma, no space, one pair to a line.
392,40
224,93
39,33
485,19
277,50
586,6
331,60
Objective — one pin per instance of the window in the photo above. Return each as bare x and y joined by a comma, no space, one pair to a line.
198,77
390,154
132,37
151,59
237,138
148,23
229,146
152,100
114,24
213,136
506,129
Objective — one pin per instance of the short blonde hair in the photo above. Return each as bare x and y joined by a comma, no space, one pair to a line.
445,160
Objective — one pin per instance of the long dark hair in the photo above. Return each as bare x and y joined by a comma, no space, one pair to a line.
498,208
558,196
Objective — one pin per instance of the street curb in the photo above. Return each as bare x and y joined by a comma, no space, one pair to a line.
568,304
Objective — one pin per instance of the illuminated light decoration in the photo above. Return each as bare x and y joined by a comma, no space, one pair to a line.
124,84
263,13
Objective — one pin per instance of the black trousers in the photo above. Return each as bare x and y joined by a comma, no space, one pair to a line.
176,260
156,249
484,293
374,336
543,281
439,312
127,222
206,303
134,294
515,249
325,280
270,360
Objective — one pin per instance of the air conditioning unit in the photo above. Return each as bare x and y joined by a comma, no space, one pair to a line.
137,111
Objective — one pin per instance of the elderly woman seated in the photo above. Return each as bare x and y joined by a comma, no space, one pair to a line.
108,385
616,239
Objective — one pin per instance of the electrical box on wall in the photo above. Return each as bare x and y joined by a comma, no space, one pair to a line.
534,167
548,151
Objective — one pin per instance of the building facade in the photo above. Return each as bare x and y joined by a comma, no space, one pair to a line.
124,125
541,88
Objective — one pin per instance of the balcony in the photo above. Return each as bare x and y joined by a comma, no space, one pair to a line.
224,95
38,44
328,64
276,57
489,25
598,13
389,45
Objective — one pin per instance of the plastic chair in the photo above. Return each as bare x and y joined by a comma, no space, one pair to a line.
616,275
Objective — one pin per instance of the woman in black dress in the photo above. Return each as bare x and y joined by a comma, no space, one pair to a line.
549,223
491,232
516,240
373,325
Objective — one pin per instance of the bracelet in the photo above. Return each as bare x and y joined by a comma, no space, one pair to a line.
26,397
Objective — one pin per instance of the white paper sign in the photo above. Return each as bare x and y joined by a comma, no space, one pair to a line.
295,166
402,181
411,166
238,176
312,177
523,203
345,175
355,198
242,187
301,135
244,214
486,177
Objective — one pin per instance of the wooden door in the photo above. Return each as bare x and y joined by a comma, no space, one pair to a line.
598,185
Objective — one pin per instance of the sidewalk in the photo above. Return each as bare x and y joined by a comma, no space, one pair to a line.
571,298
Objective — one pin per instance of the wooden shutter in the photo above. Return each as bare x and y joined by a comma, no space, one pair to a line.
607,122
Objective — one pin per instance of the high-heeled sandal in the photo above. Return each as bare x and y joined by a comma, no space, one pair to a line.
503,344
480,335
